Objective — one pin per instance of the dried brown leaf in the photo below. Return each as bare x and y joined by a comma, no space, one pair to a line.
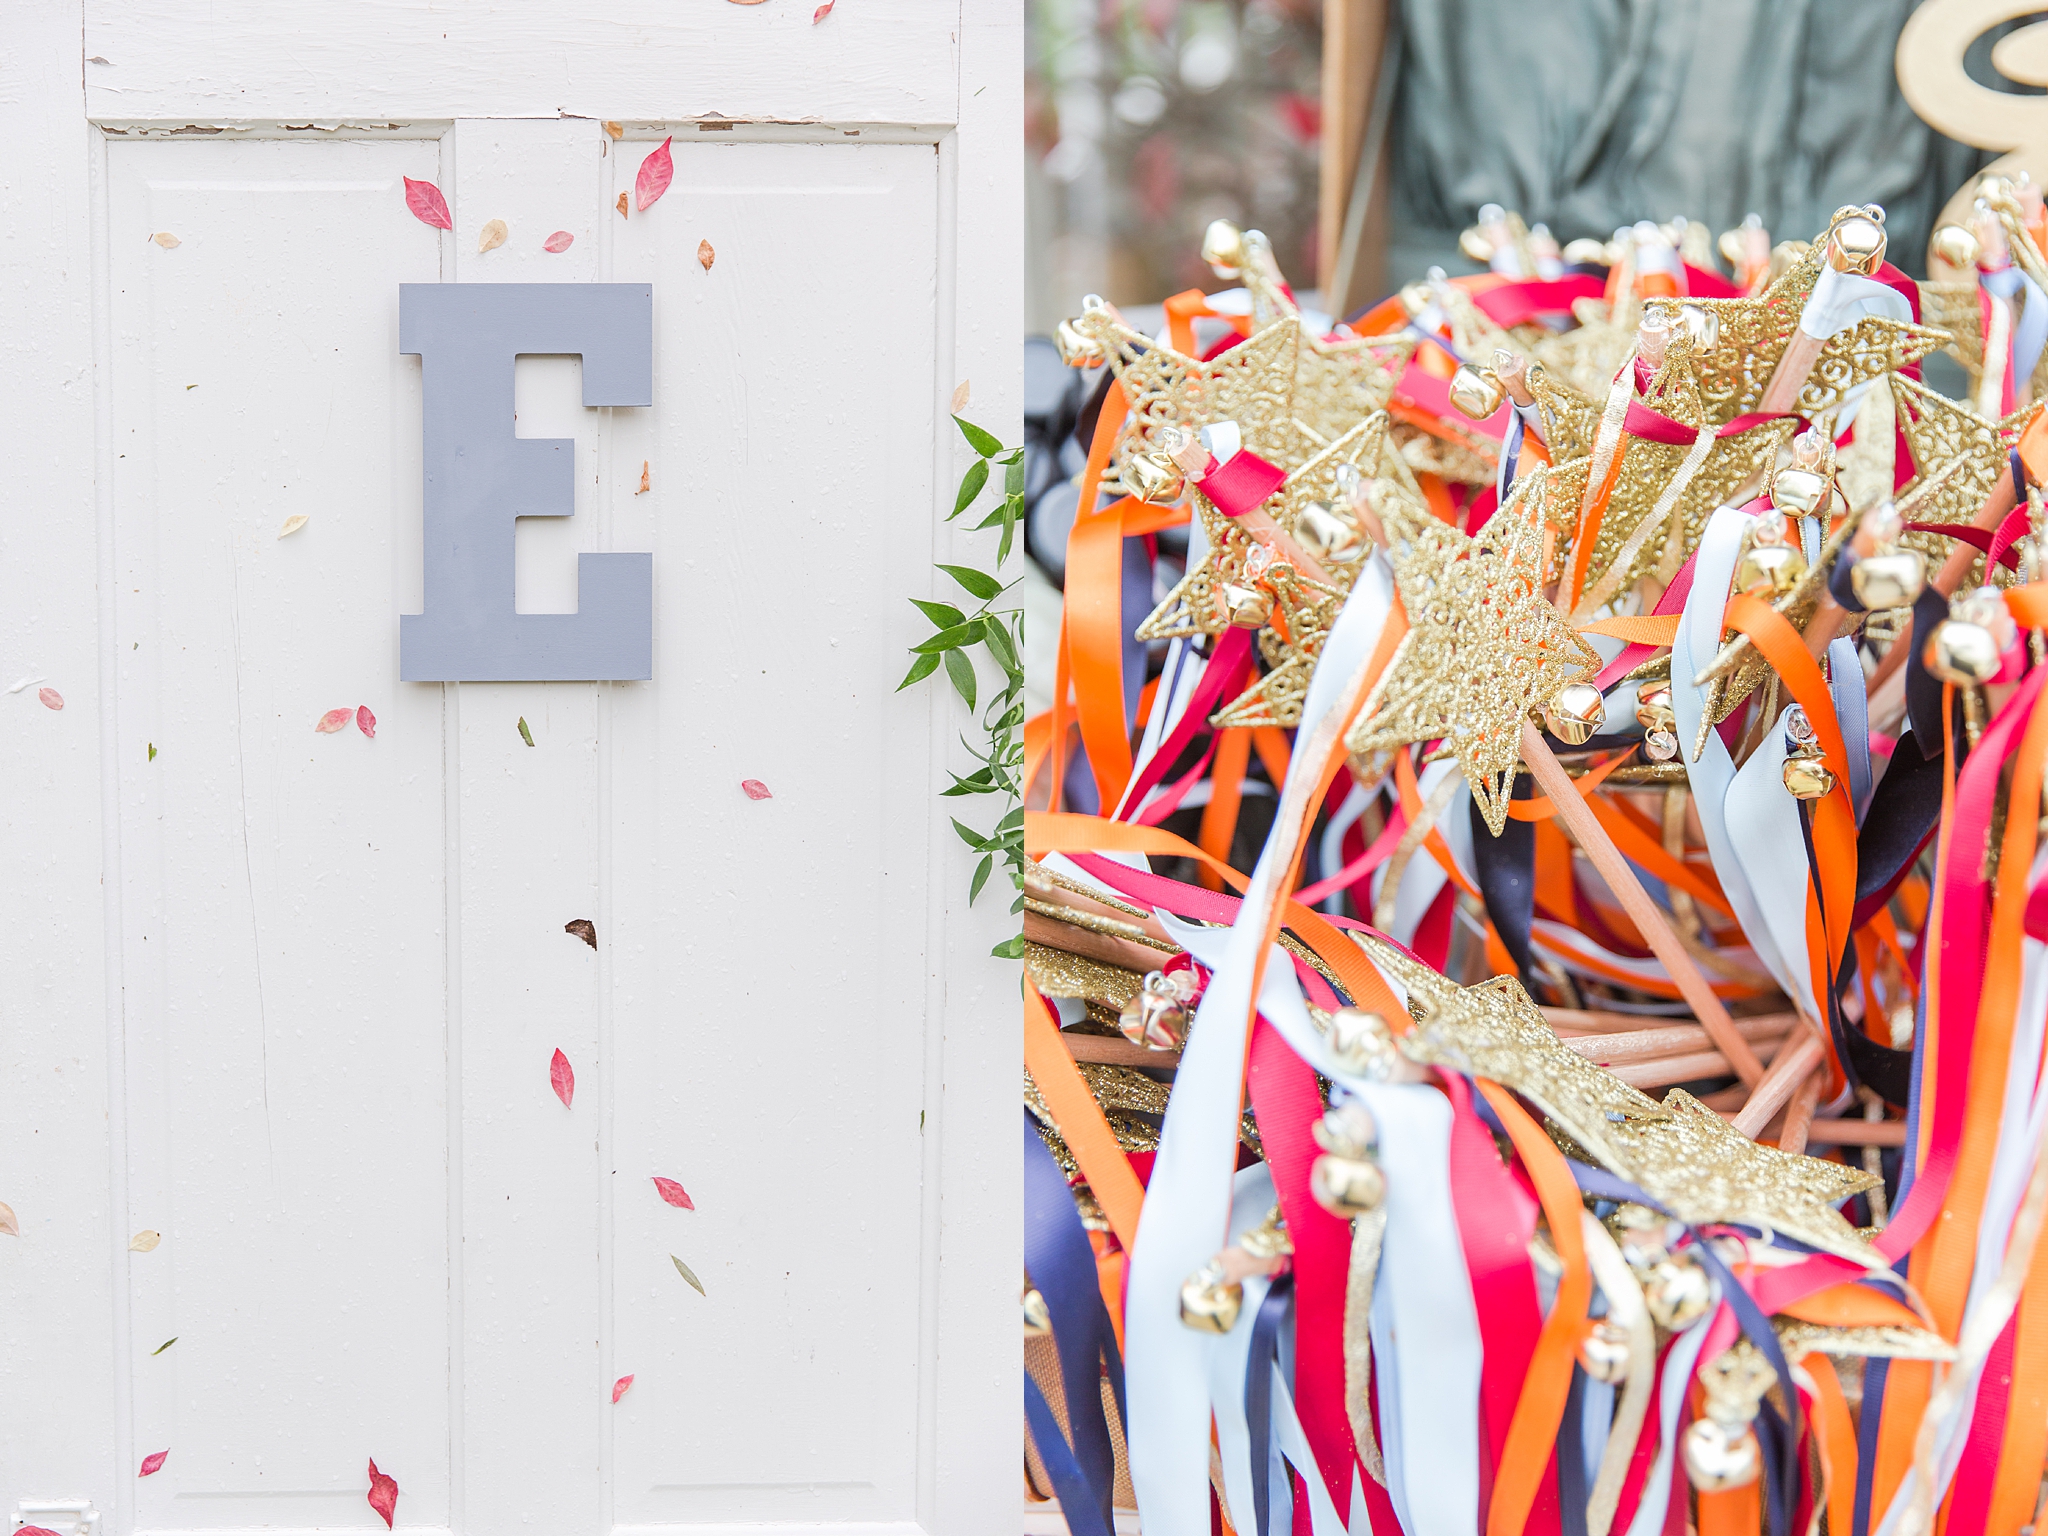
615,130
145,1241
293,524
960,396
583,928
705,255
622,205
645,484
682,1268
167,240
494,235
7,1222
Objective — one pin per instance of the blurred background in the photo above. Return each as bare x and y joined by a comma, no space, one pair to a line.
1145,119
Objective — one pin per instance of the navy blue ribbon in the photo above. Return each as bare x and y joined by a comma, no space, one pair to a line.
1258,1410
1506,867
1076,1497
1779,1436
1061,1264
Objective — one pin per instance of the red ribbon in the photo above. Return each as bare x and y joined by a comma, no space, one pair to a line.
1513,304
1656,427
1241,482
1426,392
1495,1218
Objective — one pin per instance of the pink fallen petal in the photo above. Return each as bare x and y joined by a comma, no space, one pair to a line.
383,1493
756,790
35,1530
563,1076
427,203
366,722
656,172
151,1463
558,242
674,1193
619,1387
334,720
51,698
822,12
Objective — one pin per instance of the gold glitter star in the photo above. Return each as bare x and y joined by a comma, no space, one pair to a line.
1494,1031
1483,648
1701,1169
1194,606
1879,1342
1947,437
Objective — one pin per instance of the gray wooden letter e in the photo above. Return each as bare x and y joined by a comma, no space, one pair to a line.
479,477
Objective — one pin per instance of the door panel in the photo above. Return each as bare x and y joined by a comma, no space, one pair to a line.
289,996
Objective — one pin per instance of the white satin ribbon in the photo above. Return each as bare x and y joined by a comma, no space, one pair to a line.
1228,1357
1185,1218
1762,821
1840,299
1696,642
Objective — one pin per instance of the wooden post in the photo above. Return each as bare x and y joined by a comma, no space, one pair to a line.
1354,37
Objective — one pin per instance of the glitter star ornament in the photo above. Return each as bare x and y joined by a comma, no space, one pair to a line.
1495,1031
1484,651
1702,1169
1948,438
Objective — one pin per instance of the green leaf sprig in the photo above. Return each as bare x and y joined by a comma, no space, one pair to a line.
999,632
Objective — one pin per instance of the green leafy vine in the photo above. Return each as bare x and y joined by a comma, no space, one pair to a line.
999,632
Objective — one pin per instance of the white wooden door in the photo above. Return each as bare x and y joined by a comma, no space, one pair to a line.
290,998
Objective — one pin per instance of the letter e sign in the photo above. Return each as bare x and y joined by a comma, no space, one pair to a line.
480,476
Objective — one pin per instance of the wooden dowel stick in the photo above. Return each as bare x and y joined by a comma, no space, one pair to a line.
1599,1022
1116,1051
1090,945
1778,1086
1651,1044
1857,1133
1799,1114
1666,1070
1789,377
1644,913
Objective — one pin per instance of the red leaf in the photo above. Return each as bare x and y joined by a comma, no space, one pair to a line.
334,720
427,203
563,1076
656,172
822,12
151,1463
558,242
366,722
756,790
51,698
35,1530
674,1193
383,1493
619,1387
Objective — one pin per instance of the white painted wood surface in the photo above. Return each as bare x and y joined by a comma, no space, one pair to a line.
290,998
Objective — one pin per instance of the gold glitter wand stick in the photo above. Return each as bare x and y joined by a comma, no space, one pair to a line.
1649,919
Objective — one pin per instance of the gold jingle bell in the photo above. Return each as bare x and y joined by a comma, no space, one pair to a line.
1246,607
1576,714
1955,245
1719,1456
1856,243
1805,774
1208,1302
1152,476
1800,492
1702,325
1346,1186
1477,392
1223,248
1361,1042
1474,246
1346,1129
1330,534
1076,348
1677,1292
1893,579
1037,1320
1778,566
1962,653
1604,1353
1157,1017
1653,709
